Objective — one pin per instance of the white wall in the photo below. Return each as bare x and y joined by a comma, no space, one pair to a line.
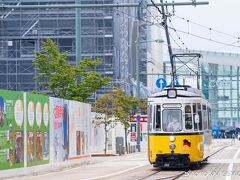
98,139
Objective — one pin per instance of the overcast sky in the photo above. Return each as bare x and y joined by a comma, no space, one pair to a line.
219,15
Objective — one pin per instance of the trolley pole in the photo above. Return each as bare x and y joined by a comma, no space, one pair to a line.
164,18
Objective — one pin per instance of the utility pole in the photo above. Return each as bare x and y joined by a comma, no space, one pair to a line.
141,14
78,47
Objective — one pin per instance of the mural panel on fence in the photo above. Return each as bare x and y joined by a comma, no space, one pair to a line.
11,129
60,129
37,129
79,114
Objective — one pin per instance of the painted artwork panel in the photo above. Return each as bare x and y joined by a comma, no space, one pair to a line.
79,123
60,129
11,129
38,118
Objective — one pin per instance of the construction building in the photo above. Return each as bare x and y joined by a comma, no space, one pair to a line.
106,33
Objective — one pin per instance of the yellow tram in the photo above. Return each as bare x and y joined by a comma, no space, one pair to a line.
179,128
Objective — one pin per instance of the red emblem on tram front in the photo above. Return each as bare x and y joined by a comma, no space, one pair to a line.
186,143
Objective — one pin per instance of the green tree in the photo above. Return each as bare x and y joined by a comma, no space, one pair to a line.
116,106
62,79
124,109
104,107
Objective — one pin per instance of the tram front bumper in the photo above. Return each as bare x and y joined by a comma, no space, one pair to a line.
173,160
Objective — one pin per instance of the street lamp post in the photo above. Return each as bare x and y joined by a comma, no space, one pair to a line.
137,68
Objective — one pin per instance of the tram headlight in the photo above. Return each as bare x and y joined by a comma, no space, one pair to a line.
171,93
172,138
172,146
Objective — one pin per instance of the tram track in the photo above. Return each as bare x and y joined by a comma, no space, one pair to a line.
224,146
177,176
171,177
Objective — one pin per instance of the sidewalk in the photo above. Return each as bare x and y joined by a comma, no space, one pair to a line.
62,166
41,169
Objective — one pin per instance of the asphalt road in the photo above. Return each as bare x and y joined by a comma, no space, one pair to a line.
224,164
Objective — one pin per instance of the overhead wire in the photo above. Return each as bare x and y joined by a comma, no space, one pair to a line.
211,30
186,60
183,32
201,37
169,34
206,27
184,47
235,42
178,36
154,17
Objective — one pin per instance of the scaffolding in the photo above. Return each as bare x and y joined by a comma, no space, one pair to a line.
23,30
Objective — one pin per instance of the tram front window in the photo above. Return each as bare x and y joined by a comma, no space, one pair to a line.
172,120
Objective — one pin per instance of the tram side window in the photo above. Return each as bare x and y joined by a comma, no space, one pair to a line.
149,117
188,117
205,117
158,117
209,119
194,113
197,110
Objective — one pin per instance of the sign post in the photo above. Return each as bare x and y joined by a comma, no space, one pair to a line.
138,117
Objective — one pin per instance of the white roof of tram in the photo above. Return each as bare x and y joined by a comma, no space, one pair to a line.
183,91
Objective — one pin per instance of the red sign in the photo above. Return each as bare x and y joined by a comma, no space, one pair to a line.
143,118
133,136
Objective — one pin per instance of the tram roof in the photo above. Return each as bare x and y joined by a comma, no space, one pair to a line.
182,91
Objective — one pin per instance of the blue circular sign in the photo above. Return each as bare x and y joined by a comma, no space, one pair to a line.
161,83
138,117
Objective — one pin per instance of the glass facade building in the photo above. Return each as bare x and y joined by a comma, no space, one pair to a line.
219,83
